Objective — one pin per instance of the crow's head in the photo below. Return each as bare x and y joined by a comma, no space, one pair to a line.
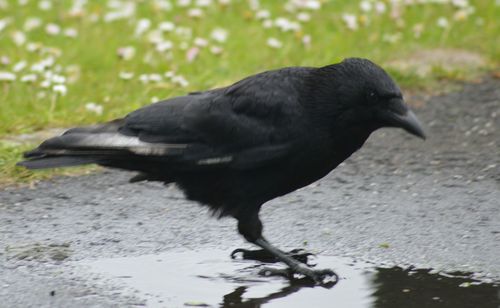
364,90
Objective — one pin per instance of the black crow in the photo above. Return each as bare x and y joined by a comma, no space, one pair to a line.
235,148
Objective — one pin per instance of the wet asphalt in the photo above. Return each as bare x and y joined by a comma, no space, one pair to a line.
399,201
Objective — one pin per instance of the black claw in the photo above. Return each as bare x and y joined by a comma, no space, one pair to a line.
263,256
270,271
259,255
236,251
325,278
302,256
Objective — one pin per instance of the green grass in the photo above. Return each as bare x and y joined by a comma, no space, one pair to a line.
91,58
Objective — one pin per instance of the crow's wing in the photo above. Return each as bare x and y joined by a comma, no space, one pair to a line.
251,122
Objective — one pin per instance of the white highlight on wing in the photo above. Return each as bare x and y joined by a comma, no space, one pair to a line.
133,144
215,160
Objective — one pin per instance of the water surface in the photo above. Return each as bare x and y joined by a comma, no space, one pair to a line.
209,278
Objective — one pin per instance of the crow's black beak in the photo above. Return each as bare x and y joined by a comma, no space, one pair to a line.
411,124
403,117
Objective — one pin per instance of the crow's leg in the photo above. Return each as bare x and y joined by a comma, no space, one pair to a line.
250,226
295,268
263,255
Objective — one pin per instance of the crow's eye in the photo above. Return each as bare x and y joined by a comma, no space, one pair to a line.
372,95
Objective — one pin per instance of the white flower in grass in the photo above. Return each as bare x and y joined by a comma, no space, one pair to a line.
163,5
267,23
77,9
460,3
22,2
60,89
306,40
351,21
52,29
392,38
365,6
184,32
58,79
126,75
203,3
43,64
442,22
304,17
380,7
52,51
254,4
155,36
169,74
200,42
4,60
192,53
460,15
48,62
219,35
195,13
155,77
286,25
58,68
180,80
216,50
45,84
274,43
48,75
148,58
32,47
166,26
121,10
70,32
312,4
29,78
45,5
263,14
126,52
7,76
141,27
224,2
144,78
37,68
4,23
183,3
95,108
19,66
19,38
164,46
32,23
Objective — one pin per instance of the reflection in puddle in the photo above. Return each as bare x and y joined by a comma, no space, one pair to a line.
209,278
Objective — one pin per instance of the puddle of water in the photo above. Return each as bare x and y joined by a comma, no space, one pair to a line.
211,278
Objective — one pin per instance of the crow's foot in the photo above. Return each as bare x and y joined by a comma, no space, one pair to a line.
325,277
264,256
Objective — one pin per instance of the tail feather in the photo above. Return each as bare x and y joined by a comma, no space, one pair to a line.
57,161
101,144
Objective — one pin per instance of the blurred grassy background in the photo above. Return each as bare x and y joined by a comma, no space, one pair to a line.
65,63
